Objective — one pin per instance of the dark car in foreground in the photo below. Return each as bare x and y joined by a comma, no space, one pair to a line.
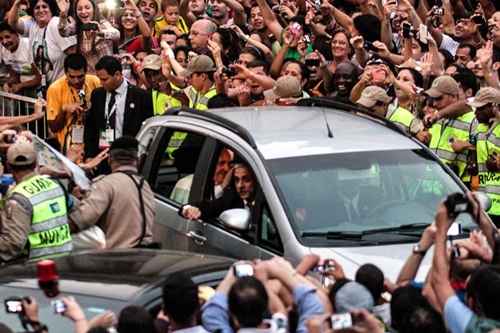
107,280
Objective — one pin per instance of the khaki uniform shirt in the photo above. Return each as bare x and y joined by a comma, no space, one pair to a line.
113,204
15,225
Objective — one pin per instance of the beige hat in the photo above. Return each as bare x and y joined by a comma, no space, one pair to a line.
152,61
371,95
443,85
21,153
200,64
285,87
485,96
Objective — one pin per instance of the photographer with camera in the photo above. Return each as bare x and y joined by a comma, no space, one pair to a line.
480,313
243,297
67,101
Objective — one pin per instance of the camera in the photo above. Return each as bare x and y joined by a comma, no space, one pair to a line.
407,30
89,27
229,72
241,270
312,62
14,305
58,306
478,19
327,266
341,321
457,203
369,46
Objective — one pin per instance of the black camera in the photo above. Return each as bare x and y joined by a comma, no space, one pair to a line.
89,27
407,30
369,46
457,203
229,72
478,19
312,62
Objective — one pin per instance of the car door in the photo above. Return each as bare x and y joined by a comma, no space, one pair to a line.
175,160
219,239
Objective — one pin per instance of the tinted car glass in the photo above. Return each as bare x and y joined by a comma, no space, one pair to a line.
360,191
92,306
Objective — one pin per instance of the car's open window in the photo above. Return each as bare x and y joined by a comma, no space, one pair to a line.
267,233
177,157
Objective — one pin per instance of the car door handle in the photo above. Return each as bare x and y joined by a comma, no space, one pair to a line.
197,238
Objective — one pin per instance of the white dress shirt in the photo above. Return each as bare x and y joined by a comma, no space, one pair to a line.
119,107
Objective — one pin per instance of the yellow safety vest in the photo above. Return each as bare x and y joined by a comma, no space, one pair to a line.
458,128
488,142
402,118
162,102
198,101
49,235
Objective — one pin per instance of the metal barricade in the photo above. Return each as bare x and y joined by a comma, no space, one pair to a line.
13,105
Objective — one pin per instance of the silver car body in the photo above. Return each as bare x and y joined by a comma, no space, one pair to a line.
281,132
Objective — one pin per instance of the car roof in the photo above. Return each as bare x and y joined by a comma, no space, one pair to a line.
115,274
281,132
292,131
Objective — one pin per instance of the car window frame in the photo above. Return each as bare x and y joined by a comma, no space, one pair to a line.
152,163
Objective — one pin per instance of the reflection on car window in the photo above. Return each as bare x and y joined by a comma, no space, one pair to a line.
269,235
178,161
363,190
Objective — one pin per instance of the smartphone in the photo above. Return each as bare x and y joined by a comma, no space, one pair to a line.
369,46
312,62
406,30
241,270
13,305
341,321
58,306
89,26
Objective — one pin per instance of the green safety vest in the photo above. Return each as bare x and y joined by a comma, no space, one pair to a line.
49,235
457,128
488,142
402,118
162,101
198,101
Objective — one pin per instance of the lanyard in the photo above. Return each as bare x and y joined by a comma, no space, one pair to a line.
110,113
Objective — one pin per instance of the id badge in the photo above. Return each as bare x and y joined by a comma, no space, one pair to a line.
103,140
77,134
110,135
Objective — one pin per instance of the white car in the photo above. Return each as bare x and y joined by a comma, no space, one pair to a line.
331,181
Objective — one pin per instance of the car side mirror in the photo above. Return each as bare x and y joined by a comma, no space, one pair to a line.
237,218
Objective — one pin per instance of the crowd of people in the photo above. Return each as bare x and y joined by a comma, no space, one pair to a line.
460,293
101,68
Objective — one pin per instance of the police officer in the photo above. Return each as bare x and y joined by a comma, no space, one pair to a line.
121,203
34,219
376,100
486,104
444,92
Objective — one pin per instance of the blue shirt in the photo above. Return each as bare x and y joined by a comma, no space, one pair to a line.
215,315
456,315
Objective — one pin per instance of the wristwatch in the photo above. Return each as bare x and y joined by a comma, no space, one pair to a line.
418,250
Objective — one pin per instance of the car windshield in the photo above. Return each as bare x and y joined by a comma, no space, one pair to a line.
92,306
371,193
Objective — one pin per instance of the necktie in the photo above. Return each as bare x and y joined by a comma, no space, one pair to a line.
112,116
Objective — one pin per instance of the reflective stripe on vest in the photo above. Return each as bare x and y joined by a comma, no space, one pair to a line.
442,131
49,234
198,101
488,142
402,118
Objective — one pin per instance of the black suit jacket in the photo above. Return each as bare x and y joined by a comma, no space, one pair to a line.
138,107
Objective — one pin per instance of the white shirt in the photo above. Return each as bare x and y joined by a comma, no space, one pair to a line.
20,60
194,329
55,45
118,108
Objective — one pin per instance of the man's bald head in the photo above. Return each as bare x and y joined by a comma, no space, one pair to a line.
200,32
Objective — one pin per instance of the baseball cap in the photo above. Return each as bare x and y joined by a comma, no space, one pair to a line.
21,153
153,62
484,96
351,296
371,95
285,87
200,64
444,84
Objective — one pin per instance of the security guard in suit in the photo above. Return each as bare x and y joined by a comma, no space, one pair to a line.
34,221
